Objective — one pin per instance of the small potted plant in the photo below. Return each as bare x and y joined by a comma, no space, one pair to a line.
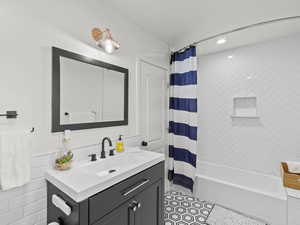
64,162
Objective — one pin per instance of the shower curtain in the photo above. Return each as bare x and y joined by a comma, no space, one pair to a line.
183,118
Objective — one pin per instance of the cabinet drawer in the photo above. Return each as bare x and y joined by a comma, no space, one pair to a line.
105,201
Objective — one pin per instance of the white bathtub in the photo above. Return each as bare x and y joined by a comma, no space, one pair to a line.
251,193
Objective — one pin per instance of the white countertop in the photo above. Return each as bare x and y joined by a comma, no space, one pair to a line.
87,178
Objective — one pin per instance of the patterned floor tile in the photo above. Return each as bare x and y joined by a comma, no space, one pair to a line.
181,209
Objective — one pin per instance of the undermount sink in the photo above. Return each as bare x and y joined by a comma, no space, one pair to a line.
87,178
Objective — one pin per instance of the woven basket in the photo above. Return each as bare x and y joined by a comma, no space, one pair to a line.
290,180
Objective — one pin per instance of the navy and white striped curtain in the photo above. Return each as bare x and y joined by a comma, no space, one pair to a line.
183,118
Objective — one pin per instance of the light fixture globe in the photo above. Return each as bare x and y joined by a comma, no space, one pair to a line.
104,40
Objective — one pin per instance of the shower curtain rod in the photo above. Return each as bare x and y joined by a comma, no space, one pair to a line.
239,29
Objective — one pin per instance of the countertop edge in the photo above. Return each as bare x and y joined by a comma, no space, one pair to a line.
79,197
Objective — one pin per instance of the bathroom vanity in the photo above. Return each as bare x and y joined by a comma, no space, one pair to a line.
130,193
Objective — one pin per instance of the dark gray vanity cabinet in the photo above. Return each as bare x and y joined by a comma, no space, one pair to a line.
150,202
119,216
138,200
143,209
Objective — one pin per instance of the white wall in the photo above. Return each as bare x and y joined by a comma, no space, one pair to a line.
268,70
28,30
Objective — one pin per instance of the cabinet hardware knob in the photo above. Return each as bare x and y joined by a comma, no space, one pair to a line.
134,206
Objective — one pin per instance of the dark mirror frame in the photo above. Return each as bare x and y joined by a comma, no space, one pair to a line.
56,125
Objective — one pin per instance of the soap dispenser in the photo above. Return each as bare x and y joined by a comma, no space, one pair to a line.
120,144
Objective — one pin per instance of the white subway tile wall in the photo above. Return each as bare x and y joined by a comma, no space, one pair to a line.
27,205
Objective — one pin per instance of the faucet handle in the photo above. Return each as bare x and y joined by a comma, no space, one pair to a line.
93,157
112,152
102,155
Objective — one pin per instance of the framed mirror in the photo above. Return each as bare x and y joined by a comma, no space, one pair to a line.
87,93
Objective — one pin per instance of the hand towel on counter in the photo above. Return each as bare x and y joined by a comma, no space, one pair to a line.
15,158
293,167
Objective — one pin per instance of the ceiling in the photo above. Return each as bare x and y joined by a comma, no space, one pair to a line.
180,22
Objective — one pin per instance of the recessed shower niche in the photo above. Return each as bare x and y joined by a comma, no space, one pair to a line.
245,107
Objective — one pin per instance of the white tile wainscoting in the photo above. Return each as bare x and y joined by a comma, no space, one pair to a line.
27,205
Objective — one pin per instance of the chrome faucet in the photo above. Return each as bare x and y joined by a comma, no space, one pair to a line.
103,146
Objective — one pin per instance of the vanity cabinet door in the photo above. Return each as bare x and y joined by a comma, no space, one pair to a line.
106,201
150,205
122,215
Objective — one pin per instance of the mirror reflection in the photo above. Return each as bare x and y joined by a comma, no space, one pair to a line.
90,93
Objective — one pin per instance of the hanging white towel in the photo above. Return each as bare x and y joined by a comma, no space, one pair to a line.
15,158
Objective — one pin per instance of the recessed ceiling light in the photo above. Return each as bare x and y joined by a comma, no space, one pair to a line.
230,57
221,41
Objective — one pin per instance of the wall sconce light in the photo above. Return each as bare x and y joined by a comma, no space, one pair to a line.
104,40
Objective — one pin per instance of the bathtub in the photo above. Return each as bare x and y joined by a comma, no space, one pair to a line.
254,194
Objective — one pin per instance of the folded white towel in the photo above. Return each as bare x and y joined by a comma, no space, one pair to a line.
293,167
15,159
